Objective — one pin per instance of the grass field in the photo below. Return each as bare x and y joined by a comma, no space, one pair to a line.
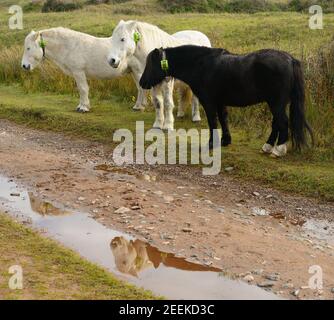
53,272
46,98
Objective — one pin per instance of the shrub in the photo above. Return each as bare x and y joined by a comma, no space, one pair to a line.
319,71
61,5
304,5
248,6
177,6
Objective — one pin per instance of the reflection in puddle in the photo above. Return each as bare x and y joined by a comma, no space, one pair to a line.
133,257
44,208
130,259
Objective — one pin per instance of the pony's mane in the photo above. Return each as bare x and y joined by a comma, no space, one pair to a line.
63,33
153,34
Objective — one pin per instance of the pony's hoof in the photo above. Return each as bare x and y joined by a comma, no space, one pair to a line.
82,109
138,108
226,142
168,128
180,115
196,119
280,151
267,148
157,126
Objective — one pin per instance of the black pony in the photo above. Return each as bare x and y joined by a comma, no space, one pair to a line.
220,79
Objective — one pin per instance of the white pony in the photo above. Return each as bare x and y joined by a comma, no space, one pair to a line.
131,43
78,55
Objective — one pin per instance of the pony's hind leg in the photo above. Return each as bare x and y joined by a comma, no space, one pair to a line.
81,81
280,130
223,119
281,148
196,115
269,145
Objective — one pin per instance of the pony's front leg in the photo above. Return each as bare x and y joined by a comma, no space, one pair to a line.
83,88
168,88
159,107
141,97
211,114
223,119
196,116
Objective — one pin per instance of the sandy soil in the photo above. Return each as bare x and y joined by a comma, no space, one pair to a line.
251,232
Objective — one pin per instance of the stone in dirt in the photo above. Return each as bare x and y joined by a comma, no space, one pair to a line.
135,208
296,293
187,230
273,277
168,199
256,194
258,272
248,278
14,194
259,212
266,284
122,210
229,169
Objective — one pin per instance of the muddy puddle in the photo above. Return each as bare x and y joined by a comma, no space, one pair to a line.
128,258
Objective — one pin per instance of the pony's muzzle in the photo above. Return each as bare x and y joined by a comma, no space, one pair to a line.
26,67
113,63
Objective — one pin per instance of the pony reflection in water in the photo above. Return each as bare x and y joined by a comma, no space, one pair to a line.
133,257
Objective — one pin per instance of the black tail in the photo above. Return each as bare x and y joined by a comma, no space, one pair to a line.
298,123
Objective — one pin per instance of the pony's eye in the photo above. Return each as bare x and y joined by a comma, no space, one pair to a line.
123,40
28,49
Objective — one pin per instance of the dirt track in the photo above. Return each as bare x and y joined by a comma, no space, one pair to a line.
216,220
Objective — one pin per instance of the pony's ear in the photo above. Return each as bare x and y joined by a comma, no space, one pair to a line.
122,22
35,35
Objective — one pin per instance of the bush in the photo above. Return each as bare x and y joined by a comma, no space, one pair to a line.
98,1
105,1
33,6
61,5
177,6
248,6
319,71
304,5
251,6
